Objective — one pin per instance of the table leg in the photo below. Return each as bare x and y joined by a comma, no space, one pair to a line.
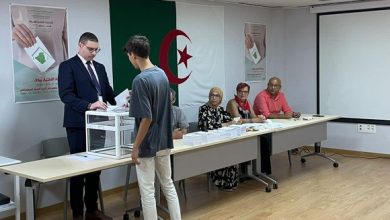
317,152
17,197
29,200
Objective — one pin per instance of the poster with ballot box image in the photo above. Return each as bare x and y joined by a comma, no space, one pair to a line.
39,44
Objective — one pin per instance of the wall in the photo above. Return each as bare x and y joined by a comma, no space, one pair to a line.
300,82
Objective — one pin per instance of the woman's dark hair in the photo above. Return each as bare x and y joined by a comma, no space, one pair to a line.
242,85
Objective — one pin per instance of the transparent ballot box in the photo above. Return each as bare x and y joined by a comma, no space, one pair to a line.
109,134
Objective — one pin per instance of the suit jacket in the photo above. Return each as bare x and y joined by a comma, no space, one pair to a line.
76,90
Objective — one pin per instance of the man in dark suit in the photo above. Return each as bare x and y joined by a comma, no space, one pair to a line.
83,85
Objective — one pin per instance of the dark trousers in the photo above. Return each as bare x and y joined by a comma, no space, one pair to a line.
90,181
265,149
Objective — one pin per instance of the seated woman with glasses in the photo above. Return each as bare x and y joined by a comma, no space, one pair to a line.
213,116
239,106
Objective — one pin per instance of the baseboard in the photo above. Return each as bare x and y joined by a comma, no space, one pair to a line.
351,152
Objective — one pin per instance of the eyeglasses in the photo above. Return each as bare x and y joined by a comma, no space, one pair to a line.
91,49
243,92
214,96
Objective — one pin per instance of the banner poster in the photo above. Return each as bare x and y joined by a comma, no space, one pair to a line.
39,45
255,52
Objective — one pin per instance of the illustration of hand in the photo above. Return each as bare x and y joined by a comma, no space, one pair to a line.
23,35
248,41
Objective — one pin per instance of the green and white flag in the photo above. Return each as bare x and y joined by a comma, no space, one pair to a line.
187,42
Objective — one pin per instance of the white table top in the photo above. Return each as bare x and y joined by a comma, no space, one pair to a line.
51,169
56,168
287,124
300,122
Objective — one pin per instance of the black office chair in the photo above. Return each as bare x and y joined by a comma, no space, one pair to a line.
55,147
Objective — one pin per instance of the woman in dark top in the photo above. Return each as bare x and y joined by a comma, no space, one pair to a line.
239,106
213,116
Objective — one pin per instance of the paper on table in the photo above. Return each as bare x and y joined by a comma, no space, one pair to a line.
7,161
40,55
84,157
121,99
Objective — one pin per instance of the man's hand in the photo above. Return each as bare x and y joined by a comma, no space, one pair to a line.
177,134
134,155
23,35
262,117
296,114
98,105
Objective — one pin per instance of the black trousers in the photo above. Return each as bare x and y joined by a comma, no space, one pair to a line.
90,181
266,144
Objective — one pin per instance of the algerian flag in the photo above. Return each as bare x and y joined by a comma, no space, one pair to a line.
205,27
187,41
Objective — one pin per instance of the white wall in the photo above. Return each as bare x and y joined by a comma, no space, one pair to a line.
300,76
235,17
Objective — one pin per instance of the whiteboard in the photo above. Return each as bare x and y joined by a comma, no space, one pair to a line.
354,64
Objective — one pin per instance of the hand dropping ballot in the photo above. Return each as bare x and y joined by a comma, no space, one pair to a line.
40,55
122,101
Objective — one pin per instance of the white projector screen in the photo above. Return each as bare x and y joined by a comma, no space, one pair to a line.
354,64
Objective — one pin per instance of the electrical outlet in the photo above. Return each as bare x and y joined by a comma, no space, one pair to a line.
366,128
372,129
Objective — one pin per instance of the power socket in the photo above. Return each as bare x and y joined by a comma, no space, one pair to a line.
366,128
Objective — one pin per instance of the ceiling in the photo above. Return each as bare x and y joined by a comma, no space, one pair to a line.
289,3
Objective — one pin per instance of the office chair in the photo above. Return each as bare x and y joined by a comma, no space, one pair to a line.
55,147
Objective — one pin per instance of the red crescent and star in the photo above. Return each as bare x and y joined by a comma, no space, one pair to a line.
184,56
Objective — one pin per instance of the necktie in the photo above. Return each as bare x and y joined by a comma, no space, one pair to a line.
93,77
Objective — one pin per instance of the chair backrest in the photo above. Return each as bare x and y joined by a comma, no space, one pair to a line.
54,147
193,127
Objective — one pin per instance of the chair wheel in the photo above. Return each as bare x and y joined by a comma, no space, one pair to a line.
137,213
126,216
335,165
267,189
275,186
303,160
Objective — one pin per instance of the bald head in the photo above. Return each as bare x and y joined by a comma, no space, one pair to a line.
274,85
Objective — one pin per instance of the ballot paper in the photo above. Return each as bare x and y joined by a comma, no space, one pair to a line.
254,52
121,102
40,55
122,98
84,157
